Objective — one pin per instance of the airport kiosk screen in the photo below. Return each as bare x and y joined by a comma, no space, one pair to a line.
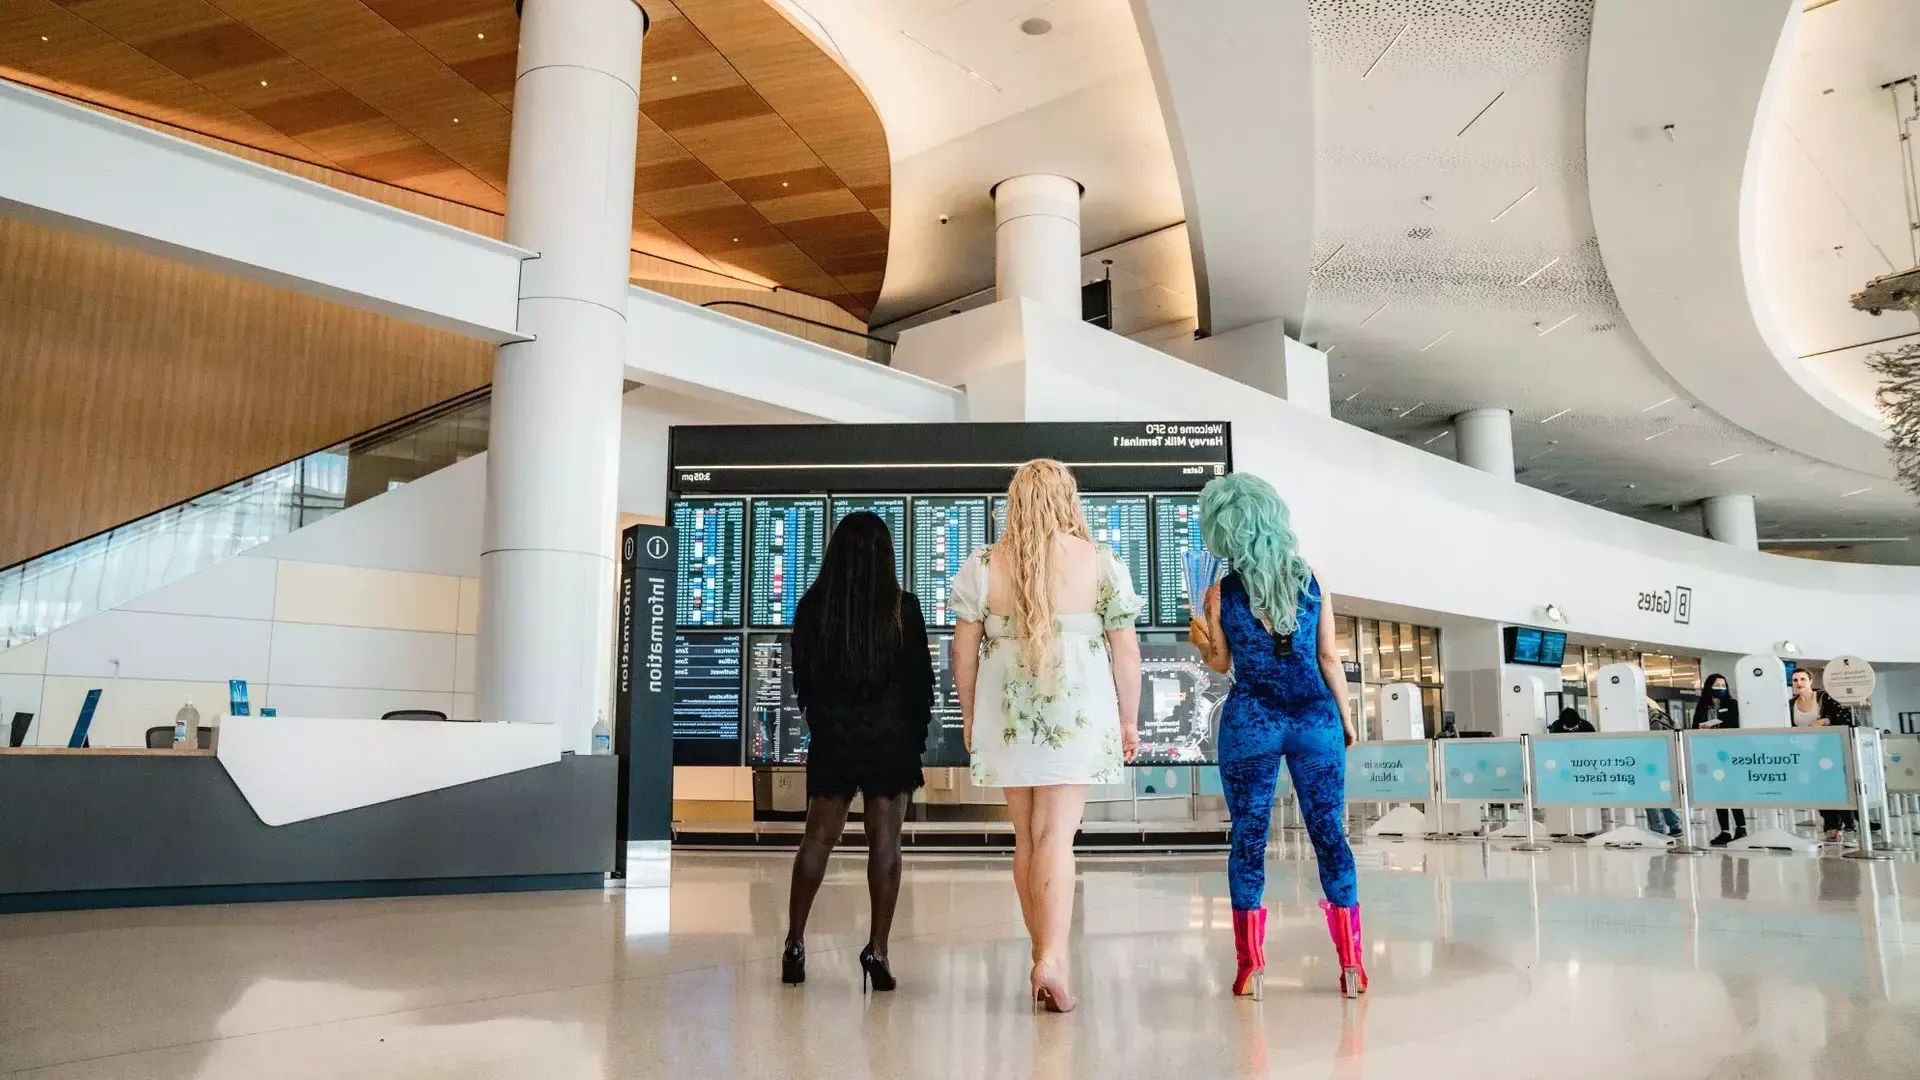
706,699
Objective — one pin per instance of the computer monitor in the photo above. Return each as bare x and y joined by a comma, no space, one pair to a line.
787,540
81,726
711,534
945,532
21,722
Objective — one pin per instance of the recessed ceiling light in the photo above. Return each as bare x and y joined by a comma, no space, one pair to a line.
673,78
783,183
456,119
482,37
263,82
1035,27
43,37
736,239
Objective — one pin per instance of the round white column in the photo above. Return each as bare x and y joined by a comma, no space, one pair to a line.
1483,439
1730,520
1036,241
547,566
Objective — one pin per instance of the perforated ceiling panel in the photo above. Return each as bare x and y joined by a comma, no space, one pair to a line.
1456,266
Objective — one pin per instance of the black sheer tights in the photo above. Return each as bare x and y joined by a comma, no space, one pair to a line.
826,817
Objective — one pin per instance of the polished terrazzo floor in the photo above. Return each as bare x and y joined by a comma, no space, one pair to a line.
1485,963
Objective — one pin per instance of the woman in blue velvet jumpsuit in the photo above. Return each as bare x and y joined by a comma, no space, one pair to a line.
1269,621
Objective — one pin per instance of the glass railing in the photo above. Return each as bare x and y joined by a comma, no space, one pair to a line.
851,342
107,569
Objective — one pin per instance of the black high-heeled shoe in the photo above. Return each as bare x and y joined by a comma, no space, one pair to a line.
874,969
793,964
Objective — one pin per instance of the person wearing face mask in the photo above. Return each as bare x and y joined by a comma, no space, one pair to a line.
1718,711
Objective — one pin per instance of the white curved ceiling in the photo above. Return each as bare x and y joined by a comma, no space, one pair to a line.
1829,205
969,98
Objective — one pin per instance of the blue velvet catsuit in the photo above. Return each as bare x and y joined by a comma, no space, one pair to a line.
1281,708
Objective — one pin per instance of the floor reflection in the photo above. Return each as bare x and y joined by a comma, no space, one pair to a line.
1572,963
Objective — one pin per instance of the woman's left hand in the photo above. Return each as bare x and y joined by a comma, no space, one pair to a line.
1129,742
1352,736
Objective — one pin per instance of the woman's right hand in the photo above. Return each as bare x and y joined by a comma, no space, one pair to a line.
966,735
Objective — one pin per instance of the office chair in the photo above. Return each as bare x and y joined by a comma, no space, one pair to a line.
414,714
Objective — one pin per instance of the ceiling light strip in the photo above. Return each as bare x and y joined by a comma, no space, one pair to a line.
1657,404
1444,432
1835,539
1330,257
1537,273
976,76
1724,460
1413,410
1657,434
1435,341
1557,325
1376,311
1388,49
1516,202
1556,416
1481,113
1856,491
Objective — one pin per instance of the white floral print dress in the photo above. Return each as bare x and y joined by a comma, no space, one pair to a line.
1027,733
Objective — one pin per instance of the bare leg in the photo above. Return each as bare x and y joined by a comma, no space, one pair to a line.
884,816
1056,818
826,817
1020,812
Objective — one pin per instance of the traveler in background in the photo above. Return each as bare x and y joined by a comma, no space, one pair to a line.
863,675
1271,622
1569,722
1717,711
1047,669
1816,708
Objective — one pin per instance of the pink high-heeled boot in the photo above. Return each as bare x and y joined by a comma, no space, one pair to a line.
1250,952
1343,925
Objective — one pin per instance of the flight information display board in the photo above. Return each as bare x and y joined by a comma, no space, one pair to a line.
946,735
776,729
1120,522
892,510
788,538
712,545
945,531
706,699
1176,531
1180,703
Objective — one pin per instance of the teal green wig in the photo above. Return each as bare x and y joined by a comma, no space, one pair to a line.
1244,521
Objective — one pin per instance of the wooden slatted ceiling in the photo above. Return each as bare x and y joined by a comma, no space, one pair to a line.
758,155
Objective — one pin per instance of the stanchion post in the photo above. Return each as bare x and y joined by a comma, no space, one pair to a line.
1683,783
1526,771
1863,824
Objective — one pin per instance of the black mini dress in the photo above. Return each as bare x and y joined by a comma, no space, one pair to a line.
872,742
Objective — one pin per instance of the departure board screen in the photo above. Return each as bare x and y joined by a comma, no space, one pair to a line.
1176,531
946,738
945,532
712,545
1180,704
776,729
706,699
789,536
1120,522
892,510
999,516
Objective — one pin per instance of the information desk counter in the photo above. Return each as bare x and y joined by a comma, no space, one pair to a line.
300,808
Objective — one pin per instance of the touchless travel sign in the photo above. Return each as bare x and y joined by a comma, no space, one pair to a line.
1770,768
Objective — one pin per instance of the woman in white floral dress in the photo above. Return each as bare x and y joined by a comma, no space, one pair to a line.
1048,673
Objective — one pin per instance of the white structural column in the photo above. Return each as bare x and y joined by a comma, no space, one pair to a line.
1729,519
1036,241
1483,439
547,561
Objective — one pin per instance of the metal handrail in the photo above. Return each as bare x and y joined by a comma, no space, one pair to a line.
369,437
796,318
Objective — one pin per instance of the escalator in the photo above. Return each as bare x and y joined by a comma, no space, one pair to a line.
62,586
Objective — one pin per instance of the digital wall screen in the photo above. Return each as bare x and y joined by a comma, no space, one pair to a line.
754,506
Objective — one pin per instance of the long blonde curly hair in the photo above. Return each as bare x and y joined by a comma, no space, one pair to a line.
1042,500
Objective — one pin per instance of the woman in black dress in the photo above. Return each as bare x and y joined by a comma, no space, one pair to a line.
862,673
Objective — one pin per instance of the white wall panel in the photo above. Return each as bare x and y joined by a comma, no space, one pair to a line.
239,588
465,654
194,648
353,701
468,620
28,659
128,707
361,596
464,708
306,654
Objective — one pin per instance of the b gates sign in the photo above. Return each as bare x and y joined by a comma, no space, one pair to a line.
1676,602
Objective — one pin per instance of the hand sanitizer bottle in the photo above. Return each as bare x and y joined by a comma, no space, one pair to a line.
186,727
602,735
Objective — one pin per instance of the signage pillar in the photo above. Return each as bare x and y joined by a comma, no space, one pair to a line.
643,689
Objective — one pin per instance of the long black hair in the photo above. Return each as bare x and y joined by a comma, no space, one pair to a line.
851,614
